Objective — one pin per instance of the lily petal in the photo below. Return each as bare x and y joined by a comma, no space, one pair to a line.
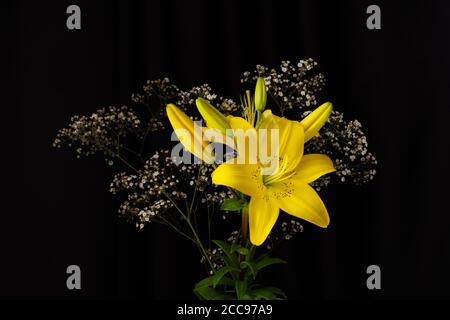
312,167
246,141
189,134
237,123
315,120
268,120
242,177
263,214
300,200
291,136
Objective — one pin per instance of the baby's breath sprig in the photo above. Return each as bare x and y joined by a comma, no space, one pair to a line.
291,87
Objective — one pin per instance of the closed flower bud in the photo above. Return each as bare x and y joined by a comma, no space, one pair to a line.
260,95
213,117
315,120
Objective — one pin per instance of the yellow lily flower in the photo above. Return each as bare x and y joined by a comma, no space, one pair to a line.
288,187
190,134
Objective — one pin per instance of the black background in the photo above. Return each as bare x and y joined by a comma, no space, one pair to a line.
56,210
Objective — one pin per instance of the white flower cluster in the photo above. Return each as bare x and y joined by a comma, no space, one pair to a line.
148,191
284,232
101,131
187,99
347,146
292,87
215,256
234,237
158,93
161,183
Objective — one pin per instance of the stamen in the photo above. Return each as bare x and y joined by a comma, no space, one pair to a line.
248,105
284,172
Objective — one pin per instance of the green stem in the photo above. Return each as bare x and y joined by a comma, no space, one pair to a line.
117,155
193,196
258,119
125,162
244,225
194,233
176,229
137,154
244,234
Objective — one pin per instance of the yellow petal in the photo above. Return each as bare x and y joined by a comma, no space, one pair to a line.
189,134
214,135
242,177
300,200
312,167
213,117
315,120
246,141
289,132
263,214
260,94
239,123
268,120
291,137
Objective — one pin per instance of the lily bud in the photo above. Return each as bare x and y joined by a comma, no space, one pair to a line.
214,118
189,133
315,120
260,95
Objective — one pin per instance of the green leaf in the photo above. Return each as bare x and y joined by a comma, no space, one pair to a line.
243,251
241,289
262,294
208,293
266,261
235,247
246,264
204,289
268,293
233,204
223,245
239,249
221,273
277,291
209,282
250,255
232,260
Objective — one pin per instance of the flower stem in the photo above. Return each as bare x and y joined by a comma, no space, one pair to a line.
244,225
258,119
194,233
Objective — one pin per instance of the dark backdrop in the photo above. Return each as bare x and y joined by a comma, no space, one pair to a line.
56,210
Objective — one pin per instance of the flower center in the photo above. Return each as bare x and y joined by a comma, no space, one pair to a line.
284,172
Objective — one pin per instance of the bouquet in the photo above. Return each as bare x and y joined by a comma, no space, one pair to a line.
264,159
